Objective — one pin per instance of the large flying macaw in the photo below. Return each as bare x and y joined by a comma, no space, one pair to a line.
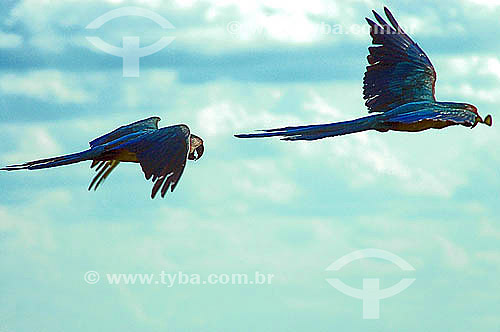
162,153
399,85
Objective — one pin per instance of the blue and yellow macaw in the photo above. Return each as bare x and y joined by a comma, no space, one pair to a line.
398,85
162,153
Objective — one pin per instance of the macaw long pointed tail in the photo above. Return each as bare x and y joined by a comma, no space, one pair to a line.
315,132
54,162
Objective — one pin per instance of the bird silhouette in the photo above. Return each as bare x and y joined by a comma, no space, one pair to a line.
398,85
162,153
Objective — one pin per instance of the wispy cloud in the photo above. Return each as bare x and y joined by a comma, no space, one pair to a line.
48,85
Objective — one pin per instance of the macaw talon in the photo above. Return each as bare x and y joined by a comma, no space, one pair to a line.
488,120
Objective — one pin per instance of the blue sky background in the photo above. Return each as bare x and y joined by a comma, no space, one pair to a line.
287,208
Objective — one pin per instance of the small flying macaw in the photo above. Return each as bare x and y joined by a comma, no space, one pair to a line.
399,85
162,153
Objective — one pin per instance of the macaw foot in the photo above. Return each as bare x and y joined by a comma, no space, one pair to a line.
488,120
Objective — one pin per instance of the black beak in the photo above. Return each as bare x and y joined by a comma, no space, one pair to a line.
197,153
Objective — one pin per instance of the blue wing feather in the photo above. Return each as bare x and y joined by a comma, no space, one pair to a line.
162,155
456,116
399,71
149,123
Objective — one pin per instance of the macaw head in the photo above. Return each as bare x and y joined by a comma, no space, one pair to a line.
195,147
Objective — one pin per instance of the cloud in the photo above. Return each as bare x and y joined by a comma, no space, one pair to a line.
225,118
47,85
10,40
35,142
491,4
29,230
491,257
453,255
488,230
261,178
283,43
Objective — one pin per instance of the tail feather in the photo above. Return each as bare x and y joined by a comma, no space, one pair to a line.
53,162
314,132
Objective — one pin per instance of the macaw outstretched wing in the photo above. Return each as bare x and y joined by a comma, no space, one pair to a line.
162,155
104,168
149,123
399,71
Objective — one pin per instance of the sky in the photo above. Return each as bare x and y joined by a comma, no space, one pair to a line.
289,209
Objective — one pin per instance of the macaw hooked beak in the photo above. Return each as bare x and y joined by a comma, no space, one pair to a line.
197,153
